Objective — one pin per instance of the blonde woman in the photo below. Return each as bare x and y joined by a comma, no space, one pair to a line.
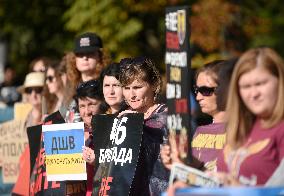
255,127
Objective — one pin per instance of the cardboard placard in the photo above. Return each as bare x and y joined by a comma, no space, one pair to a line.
117,145
63,151
13,140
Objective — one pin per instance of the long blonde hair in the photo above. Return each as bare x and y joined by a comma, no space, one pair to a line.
240,118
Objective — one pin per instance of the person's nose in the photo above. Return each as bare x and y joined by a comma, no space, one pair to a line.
254,92
33,93
112,90
89,111
133,94
199,96
85,111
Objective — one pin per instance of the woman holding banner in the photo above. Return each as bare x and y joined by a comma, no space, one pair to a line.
208,140
141,84
89,98
218,72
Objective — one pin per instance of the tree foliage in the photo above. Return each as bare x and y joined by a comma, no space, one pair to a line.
219,28
208,24
128,27
32,29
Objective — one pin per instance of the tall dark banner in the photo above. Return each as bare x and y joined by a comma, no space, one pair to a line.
38,180
117,144
177,60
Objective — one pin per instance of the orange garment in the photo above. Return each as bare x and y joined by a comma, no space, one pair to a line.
21,187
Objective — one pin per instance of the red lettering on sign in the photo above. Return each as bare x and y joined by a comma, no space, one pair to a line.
172,41
181,106
104,186
38,183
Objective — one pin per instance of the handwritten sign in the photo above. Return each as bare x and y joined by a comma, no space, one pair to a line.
13,140
63,148
117,144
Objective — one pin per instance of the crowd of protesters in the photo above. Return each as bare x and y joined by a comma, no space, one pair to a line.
247,111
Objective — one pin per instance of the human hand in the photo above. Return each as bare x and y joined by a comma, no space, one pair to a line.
225,179
43,117
176,185
88,155
175,155
165,153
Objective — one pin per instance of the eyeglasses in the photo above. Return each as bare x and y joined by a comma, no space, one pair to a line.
50,78
204,90
88,84
37,90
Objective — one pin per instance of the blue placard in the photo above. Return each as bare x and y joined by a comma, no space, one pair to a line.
63,141
231,191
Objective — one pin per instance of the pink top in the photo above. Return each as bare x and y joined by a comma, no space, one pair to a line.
256,160
208,141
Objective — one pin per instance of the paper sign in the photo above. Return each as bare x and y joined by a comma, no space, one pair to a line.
63,148
13,140
192,176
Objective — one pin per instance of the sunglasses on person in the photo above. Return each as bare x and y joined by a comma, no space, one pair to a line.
37,90
204,90
50,78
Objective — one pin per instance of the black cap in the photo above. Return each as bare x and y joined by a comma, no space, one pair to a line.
87,43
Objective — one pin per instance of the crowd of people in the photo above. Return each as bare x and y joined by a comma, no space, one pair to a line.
252,148
243,96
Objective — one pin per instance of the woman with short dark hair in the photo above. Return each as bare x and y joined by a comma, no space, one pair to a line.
112,89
